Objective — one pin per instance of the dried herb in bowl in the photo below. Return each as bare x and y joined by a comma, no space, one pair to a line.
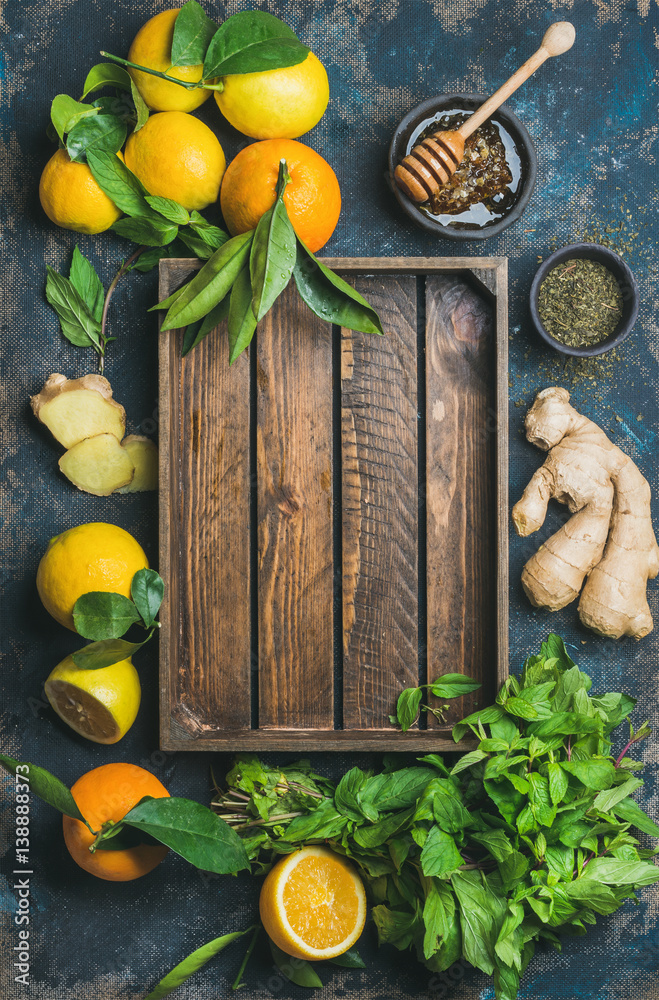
580,302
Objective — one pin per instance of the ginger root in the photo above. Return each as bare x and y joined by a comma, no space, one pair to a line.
609,541
144,456
98,465
74,409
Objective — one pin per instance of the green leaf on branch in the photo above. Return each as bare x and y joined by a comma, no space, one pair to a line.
330,297
350,959
295,969
65,113
197,331
120,184
193,831
408,706
273,253
78,324
45,786
242,321
453,686
210,285
149,232
106,75
169,209
193,31
195,961
147,589
87,283
103,615
102,133
251,42
105,652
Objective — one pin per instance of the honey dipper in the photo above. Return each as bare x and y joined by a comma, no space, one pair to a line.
430,164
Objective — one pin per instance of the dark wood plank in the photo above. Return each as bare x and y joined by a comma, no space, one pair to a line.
295,533
380,505
207,453
297,740
461,487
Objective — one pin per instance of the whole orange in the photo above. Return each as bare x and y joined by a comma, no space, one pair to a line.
108,793
312,199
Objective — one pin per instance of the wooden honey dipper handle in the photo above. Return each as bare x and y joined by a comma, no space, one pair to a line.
432,161
558,38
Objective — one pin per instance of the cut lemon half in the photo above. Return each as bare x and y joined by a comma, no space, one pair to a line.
100,705
313,904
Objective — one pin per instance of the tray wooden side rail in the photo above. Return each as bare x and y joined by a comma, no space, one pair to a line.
333,514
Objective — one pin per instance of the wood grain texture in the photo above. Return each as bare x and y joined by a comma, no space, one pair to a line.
207,450
295,532
460,486
208,542
380,506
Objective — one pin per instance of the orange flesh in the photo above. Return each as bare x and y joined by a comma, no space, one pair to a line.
320,902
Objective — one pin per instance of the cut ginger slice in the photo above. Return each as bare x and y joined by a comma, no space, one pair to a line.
75,409
98,465
313,904
144,456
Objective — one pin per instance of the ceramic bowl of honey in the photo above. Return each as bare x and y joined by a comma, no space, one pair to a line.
492,185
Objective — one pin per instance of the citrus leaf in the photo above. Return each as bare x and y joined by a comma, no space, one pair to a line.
106,75
273,254
65,112
103,615
45,786
196,333
350,959
147,590
193,31
296,969
102,133
141,107
120,184
251,42
104,653
242,321
195,961
210,285
87,283
192,831
330,297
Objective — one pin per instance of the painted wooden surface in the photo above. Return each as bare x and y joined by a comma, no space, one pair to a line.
592,117
406,536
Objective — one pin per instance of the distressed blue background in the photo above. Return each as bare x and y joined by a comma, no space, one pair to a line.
593,116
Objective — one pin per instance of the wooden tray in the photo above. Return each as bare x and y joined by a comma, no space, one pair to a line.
333,514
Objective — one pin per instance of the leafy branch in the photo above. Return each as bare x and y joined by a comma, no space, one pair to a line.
105,617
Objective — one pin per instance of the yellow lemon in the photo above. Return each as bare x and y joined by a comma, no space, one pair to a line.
277,103
100,705
72,199
91,557
152,47
177,156
313,904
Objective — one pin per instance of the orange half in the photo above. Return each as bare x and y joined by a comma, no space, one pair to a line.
313,904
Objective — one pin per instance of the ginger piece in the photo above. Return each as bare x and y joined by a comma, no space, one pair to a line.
144,456
609,541
75,409
98,465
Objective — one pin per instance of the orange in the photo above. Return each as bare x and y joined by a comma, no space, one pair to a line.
177,156
90,557
313,197
108,793
313,904
277,103
152,47
72,199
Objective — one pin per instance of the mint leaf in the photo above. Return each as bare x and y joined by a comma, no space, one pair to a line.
453,686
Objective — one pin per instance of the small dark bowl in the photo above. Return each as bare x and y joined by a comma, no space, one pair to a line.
405,137
626,282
